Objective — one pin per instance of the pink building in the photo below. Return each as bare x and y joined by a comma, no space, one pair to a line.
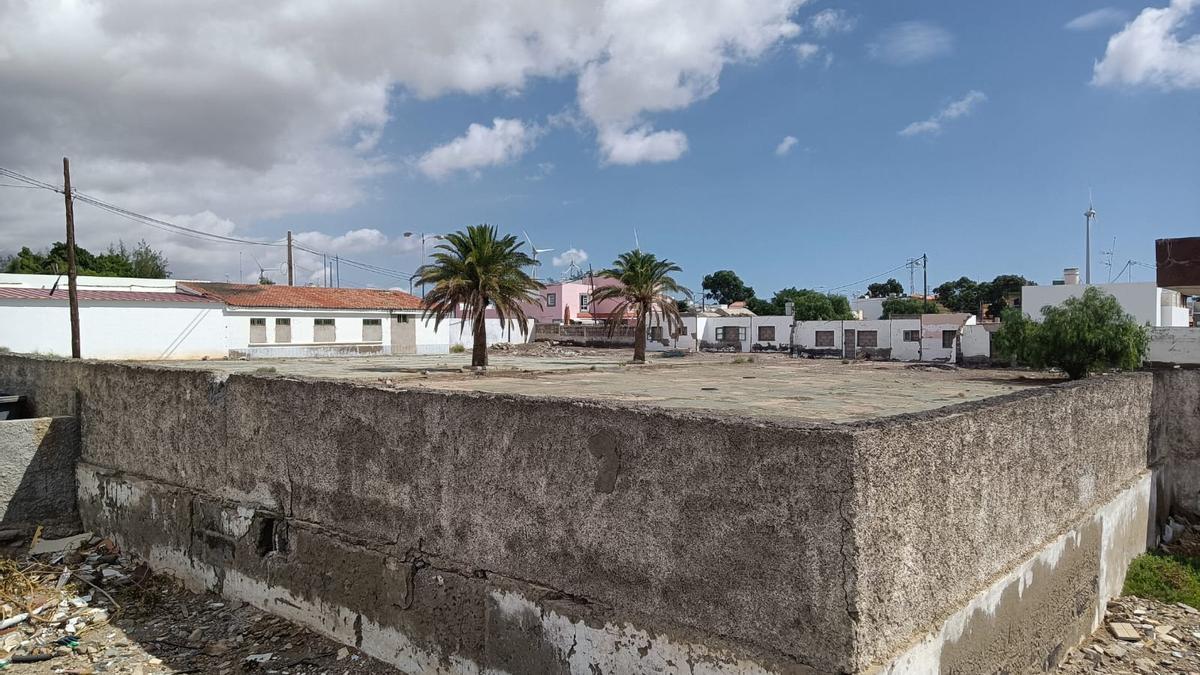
570,301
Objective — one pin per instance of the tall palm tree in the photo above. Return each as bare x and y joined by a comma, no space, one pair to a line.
473,269
643,284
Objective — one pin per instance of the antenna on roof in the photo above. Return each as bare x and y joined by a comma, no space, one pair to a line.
1108,258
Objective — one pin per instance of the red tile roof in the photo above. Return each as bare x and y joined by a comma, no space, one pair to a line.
305,297
98,296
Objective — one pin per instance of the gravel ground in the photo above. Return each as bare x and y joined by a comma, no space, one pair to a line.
111,615
1141,636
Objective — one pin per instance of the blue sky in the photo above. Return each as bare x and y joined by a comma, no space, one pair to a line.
995,184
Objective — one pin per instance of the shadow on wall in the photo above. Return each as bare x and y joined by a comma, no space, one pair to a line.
37,470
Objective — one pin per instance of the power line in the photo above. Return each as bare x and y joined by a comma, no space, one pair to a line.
870,278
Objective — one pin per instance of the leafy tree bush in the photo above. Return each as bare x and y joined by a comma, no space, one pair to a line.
812,305
886,288
893,306
142,262
1082,335
725,287
763,307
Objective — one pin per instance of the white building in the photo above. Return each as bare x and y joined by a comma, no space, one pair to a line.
1146,302
157,319
118,318
931,337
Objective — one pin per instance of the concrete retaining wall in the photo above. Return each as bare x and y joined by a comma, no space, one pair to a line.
457,532
37,470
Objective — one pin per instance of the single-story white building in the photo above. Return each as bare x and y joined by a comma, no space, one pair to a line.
118,318
164,319
1145,301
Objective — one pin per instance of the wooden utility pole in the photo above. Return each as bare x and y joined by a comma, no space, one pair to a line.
291,274
72,287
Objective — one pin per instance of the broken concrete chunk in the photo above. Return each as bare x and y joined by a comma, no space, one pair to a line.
1124,631
63,545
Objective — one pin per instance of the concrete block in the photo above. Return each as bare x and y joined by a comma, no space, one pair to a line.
37,470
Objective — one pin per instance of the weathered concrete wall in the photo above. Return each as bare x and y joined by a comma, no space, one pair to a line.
460,532
1175,428
700,530
1174,346
37,470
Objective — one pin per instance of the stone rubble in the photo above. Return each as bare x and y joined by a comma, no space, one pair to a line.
94,609
1140,637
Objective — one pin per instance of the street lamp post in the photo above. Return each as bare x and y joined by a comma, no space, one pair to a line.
423,237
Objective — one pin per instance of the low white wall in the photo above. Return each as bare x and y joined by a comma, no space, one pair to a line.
976,342
1174,345
347,327
438,340
116,330
88,283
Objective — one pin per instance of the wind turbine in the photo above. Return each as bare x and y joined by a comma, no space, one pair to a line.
535,249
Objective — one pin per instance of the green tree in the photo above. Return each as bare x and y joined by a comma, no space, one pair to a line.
118,261
644,285
763,307
682,305
264,280
902,306
813,305
1082,335
885,289
725,287
474,269
961,295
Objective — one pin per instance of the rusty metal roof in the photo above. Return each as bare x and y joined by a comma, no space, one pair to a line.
304,297
88,295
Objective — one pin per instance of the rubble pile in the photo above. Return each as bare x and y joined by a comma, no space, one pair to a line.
538,349
80,606
1141,636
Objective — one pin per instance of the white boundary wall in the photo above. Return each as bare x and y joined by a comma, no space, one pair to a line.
1174,345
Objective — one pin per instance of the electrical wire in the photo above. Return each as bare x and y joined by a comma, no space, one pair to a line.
870,278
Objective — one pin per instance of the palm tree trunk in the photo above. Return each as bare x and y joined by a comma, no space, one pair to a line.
479,353
639,339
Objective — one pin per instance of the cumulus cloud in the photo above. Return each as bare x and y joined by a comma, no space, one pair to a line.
641,145
1151,51
575,255
911,42
1098,18
785,146
954,110
254,111
481,146
806,51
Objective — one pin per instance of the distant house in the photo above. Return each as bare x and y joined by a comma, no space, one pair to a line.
276,320
568,302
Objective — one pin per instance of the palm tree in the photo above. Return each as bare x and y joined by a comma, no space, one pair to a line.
643,284
473,269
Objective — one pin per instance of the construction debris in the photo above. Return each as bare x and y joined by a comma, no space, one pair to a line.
80,605
1140,636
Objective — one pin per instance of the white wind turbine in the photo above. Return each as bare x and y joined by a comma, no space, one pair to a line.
535,249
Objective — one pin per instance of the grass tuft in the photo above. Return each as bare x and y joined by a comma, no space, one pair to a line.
457,349
1164,577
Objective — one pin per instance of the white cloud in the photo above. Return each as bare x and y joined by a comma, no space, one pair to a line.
1150,51
641,145
829,21
576,255
954,110
910,43
785,146
481,146
1098,18
805,51
259,110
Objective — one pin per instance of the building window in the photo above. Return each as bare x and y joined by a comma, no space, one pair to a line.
324,330
948,338
731,333
372,330
283,330
868,338
656,332
766,333
583,302
401,318
551,299
258,331
912,336
824,338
